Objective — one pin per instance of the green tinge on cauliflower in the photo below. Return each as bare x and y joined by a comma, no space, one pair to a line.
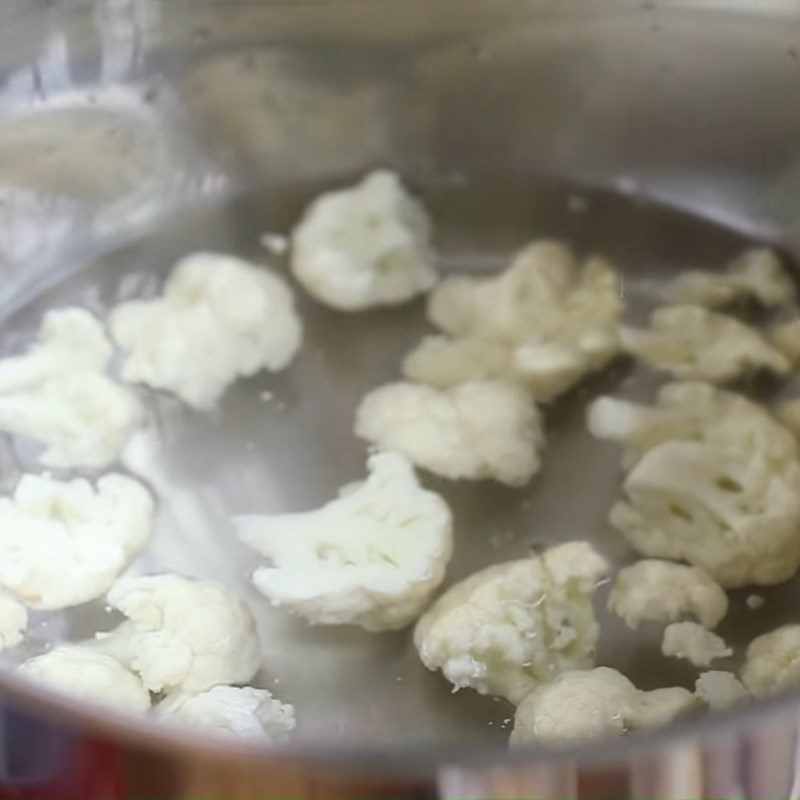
588,704
88,676
181,634
772,661
693,642
219,318
57,394
475,431
652,590
758,273
364,246
693,412
510,627
240,711
719,690
13,622
693,343
544,323
63,543
372,557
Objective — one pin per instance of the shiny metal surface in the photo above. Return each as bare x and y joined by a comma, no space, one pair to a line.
132,131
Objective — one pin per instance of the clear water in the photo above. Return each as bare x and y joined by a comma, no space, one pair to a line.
293,451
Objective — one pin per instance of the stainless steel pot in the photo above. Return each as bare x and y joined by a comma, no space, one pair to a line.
664,133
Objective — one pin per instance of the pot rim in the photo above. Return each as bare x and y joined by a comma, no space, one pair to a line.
414,759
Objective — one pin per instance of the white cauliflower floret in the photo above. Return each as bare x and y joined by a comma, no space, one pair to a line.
592,703
660,591
757,273
181,634
694,412
543,322
69,339
693,343
372,557
720,690
512,626
65,542
735,516
56,393
694,643
89,676
13,621
84,419
442,361
789,415
716,482
786,337
546,368
232,710
772,661
475,431
367,245
542,296
219,318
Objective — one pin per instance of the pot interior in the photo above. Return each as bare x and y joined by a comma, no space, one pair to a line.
133,134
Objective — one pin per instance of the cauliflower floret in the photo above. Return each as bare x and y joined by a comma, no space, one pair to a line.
786,337
692,412
716,482
372,557
69,340
367,245
587,704
442,361
542,296
512,626
475,431
63,543
720,690
181,634
90,676
735,516
546,368
693,642
543,322
772,661
219,318
232,710
661,591
789,415
693,343
13,621
83,418
757,273
57,394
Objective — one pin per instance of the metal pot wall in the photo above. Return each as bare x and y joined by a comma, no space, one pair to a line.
117,114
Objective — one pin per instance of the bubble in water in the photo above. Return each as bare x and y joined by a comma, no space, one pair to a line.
577,204
755,601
